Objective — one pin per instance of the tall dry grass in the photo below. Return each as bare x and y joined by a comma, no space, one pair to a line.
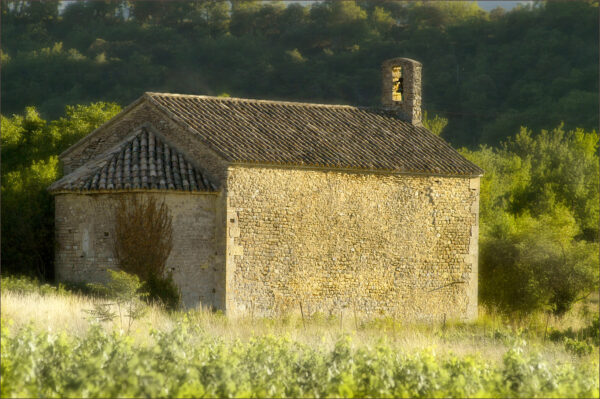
488,337
69,313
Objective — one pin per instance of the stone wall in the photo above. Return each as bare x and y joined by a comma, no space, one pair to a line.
380,243
211,165
85,234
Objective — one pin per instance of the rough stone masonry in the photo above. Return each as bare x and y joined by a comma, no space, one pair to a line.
278,205
383,244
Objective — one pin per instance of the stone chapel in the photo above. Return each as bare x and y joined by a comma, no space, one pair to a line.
274,203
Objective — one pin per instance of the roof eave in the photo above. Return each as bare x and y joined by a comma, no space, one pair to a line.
353,170
136,190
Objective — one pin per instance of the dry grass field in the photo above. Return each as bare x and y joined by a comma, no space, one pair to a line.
489,342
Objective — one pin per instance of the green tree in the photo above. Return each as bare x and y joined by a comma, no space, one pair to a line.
564,171
487,74
25,139
436,124
125,292
79,121
30,146
28,219
530,264
539,211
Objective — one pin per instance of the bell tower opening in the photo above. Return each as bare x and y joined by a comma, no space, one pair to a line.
401,88
397,83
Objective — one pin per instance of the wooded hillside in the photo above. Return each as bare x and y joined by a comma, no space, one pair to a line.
487,73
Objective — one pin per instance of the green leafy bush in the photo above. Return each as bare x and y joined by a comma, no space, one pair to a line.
532,264
163,290
579,348
557,335
28,285
578,341
125,292
593,330
539,212
184,362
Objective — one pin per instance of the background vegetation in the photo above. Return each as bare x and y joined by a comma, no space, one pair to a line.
487,73
55,344
538,221
485,76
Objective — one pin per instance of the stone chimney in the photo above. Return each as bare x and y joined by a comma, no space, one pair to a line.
401,88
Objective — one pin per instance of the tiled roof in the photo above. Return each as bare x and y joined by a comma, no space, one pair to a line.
142,162
338,136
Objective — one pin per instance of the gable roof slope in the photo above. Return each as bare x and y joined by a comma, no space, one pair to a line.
304,134
142,162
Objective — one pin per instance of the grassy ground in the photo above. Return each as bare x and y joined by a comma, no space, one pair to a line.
489,343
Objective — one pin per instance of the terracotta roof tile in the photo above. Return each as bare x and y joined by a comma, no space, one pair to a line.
143,162
258,131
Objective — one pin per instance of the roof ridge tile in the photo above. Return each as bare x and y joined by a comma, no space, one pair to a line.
223,100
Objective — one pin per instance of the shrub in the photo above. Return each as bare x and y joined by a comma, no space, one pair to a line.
589,335
557,335
539,221
143,242
579,348
164,291
28,285
143,236
593,331
125,292
531,264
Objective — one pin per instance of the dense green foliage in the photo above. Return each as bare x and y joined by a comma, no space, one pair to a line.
579,342
164,290
30,146
539,218
487,73
188,354
24,285
185,362
591,333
